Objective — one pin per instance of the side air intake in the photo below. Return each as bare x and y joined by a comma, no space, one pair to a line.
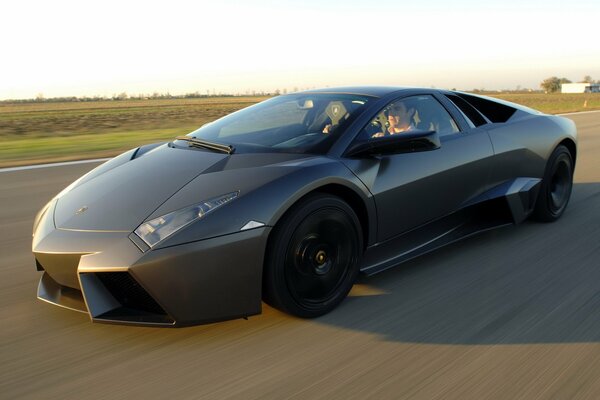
117,296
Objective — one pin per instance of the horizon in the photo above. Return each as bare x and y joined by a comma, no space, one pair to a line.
123,95
197,94
71,49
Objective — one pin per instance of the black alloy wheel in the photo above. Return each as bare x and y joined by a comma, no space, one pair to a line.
556,186
313,257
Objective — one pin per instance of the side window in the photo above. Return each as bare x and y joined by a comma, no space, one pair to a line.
415,113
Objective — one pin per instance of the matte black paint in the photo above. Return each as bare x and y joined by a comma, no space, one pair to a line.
208,271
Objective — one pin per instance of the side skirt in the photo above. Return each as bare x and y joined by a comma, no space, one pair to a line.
506,204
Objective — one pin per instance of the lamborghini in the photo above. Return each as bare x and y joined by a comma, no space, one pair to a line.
288,200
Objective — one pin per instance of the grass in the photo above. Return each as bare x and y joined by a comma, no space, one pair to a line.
89,146
555,103
72,118
32,133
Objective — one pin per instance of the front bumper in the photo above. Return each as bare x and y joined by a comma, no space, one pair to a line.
107,276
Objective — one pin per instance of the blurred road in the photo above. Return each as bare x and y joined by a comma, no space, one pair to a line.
513,313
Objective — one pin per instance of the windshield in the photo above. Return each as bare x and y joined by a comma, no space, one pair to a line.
299,123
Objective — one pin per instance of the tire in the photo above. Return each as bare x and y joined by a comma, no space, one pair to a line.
313,256
556,186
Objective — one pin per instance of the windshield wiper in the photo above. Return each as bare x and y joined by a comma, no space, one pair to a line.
207,145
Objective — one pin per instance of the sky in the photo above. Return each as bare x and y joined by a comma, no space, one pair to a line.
82,48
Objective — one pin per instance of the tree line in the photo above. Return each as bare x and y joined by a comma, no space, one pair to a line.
553,84
40,98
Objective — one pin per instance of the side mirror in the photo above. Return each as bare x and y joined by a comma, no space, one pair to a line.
408,142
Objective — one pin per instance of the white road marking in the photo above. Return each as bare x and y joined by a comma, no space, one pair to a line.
59,164
580,112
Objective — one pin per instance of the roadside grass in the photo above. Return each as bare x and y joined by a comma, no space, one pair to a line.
15,152
555,103
33,133
26,120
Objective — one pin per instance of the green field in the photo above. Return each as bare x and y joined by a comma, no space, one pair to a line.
554,103
42,132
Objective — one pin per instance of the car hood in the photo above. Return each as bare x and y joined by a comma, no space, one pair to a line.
122,197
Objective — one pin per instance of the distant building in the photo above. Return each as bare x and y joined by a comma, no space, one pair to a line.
580,87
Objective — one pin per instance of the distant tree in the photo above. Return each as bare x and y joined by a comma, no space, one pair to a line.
587,79
551,85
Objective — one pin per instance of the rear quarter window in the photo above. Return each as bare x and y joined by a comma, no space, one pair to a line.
473,117
493,111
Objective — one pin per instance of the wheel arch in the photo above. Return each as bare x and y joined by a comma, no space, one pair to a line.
351,197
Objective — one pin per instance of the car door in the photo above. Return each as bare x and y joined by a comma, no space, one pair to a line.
411,189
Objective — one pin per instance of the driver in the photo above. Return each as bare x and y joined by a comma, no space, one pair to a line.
399,118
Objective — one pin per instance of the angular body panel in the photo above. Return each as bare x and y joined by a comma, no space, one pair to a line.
123,196
412,189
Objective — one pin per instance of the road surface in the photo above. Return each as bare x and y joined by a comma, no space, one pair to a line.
513,313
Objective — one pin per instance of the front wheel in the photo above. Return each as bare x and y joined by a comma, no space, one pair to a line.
313,257
556,186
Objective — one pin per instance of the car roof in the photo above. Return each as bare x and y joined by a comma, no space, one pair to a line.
376,91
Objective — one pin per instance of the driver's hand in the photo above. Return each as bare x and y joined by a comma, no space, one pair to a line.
328,128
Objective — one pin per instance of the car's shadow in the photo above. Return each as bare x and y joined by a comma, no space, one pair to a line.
533,283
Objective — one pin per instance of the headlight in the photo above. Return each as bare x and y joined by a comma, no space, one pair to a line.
160,228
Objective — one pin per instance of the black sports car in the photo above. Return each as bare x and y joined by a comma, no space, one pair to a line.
289,199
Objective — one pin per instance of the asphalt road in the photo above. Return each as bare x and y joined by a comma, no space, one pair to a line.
513,313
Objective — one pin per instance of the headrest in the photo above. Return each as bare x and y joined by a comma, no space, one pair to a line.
336,111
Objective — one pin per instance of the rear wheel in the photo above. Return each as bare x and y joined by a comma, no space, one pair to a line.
556,186
313,257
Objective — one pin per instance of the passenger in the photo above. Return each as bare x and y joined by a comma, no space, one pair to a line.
329,128
399,119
